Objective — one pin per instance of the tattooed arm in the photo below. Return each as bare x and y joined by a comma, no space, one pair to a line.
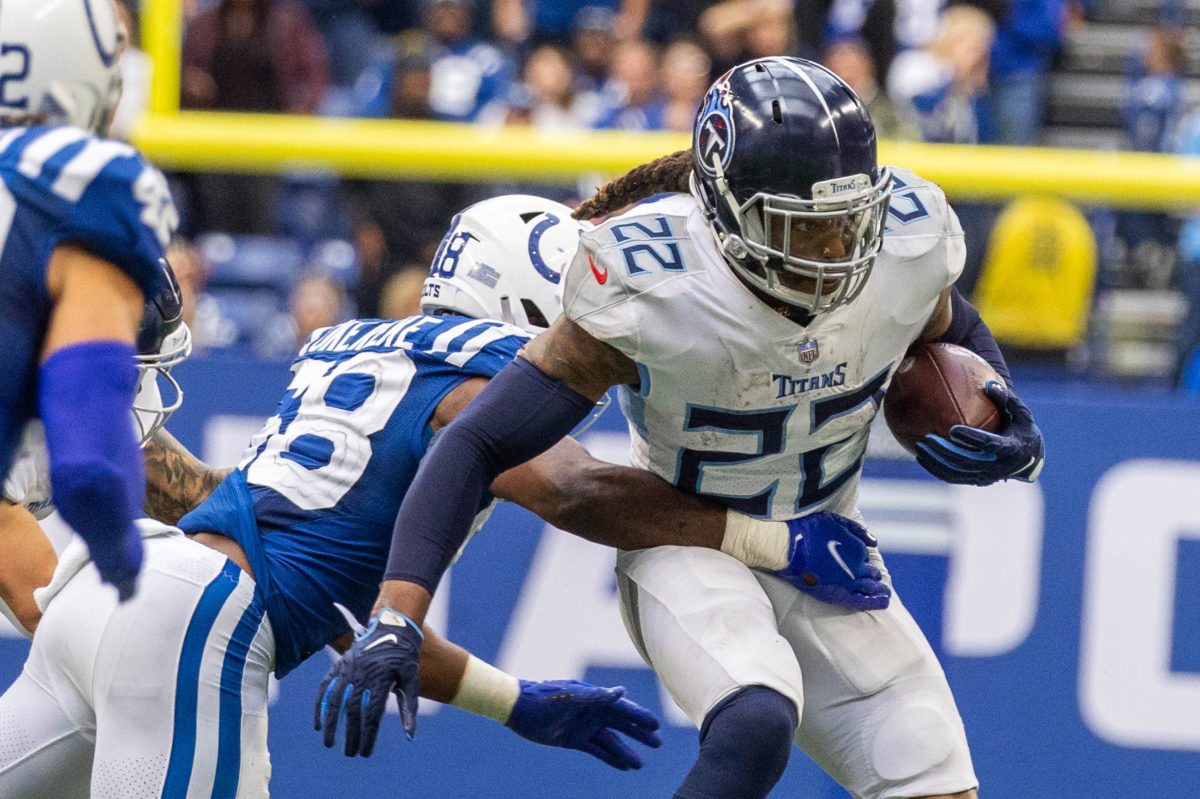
176,480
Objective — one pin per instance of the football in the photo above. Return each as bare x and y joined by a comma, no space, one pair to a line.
937,386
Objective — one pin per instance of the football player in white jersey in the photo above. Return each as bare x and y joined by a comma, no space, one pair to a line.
82,222
752,313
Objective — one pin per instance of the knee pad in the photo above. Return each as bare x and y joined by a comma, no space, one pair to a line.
911,740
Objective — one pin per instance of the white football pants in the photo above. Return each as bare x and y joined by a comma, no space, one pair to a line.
162,696
875,710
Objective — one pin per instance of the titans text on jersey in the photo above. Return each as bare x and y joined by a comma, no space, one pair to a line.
789,385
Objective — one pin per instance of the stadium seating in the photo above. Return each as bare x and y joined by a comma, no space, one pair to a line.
1083,103
252,262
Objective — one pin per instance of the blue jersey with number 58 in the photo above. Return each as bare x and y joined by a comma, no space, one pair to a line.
61,184
314,499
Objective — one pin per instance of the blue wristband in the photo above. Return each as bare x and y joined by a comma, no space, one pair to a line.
97,475
967,329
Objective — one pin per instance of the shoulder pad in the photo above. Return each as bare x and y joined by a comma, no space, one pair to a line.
623,259
477,346
633,252
918,217
105,194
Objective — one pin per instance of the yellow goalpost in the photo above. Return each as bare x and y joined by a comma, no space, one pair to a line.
194,140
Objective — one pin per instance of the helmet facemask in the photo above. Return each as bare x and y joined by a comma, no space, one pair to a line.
772,247
163,341
150,410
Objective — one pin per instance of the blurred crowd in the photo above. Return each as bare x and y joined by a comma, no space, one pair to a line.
958,71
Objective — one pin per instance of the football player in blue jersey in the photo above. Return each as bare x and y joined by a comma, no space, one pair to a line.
163,341
303,525
82,222
745,298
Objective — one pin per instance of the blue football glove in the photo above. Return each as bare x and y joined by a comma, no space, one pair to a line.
577,715
971,456
383,659
829,559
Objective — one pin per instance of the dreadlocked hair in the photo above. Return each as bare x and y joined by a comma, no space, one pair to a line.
667,174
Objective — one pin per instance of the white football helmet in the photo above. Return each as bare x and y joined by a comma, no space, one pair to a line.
60,62
503,259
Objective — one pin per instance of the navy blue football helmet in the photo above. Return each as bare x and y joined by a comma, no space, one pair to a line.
784,165
163,341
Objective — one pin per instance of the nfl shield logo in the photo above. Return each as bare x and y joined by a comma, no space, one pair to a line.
808,350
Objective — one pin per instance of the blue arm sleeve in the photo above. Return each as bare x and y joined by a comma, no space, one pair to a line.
519,415
967,329
85,392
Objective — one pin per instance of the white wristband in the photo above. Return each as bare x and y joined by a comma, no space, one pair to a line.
759,543
486,691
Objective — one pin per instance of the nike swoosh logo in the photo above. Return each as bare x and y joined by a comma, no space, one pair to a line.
601,277
1033,475
833,550
796,539
391,637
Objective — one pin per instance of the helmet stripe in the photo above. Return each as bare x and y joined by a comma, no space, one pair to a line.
794,68
107,58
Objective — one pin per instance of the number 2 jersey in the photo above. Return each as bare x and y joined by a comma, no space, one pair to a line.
735,401
61,184
315,497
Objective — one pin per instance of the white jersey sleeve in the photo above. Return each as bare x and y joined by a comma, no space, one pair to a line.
625,268
923,240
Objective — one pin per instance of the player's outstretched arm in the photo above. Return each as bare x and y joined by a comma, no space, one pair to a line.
527,407
176,480
616,506
563,713
523,411
86,385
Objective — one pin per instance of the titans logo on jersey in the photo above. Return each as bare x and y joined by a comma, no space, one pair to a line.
61,184
315,497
